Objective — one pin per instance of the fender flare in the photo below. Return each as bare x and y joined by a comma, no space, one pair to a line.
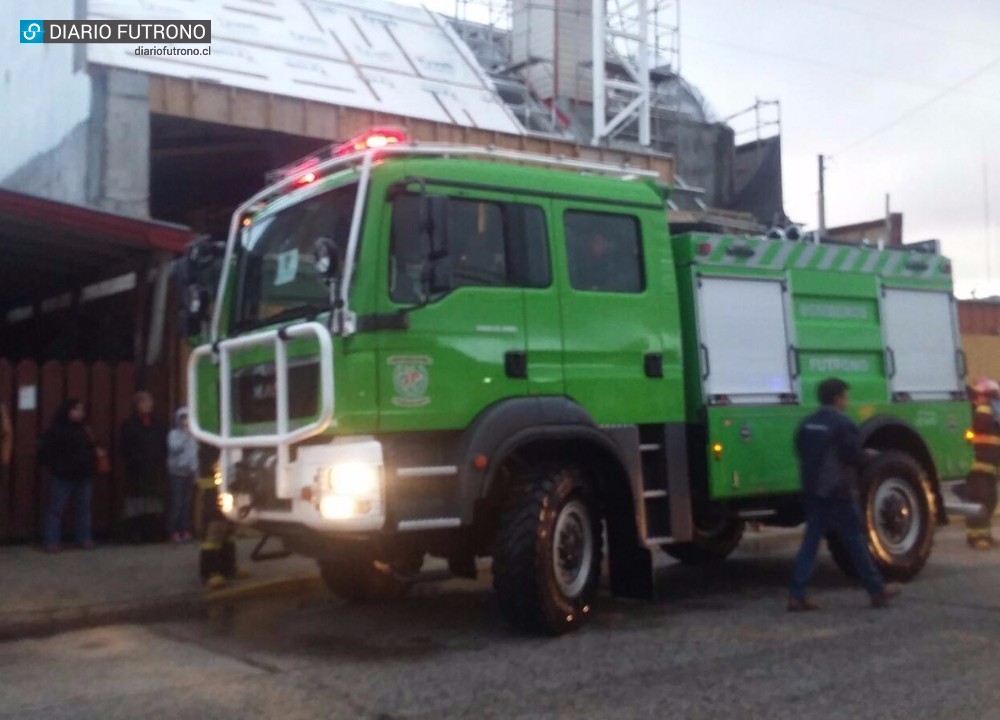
505,426
883,422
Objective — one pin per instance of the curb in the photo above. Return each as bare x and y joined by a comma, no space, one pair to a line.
184,606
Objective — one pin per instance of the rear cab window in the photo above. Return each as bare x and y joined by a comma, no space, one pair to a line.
604,252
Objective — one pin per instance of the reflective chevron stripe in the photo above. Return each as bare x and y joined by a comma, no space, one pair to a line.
750,252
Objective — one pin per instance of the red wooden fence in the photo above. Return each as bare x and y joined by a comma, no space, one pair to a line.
33,393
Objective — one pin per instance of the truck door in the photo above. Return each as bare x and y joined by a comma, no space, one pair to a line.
613,326
749,369
923,358
465,348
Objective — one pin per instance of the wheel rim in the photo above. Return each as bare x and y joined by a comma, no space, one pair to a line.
898,515
573,545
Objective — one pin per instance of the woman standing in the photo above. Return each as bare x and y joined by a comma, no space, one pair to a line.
69,454
144,448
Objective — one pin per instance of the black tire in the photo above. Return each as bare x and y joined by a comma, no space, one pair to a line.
362,579
898,515
710,545
550,514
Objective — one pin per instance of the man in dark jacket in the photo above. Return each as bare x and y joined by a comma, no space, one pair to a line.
67,451
829,449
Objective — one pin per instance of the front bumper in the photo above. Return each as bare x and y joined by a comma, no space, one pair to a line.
337,487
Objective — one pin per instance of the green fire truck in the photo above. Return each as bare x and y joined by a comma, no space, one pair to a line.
467,352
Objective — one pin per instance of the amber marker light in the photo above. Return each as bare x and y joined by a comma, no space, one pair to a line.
717,451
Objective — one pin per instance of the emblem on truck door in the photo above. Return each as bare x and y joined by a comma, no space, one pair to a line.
410,379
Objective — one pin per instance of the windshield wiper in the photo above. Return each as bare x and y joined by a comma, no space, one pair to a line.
308,311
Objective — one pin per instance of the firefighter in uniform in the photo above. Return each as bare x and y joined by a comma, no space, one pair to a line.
981,484
217,564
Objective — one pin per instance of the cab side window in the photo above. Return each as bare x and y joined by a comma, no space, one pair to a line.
604,252
490,244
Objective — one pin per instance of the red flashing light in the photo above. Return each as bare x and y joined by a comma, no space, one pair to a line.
306,179
372,140
704,248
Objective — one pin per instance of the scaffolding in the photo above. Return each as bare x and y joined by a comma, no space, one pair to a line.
633,42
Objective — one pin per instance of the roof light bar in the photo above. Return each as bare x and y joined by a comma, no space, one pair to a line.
373,139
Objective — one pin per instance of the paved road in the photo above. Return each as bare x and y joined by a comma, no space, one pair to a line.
719,646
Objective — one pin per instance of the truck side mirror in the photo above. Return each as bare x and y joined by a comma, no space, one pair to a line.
195,278
434,225
436,277
195,311
328,257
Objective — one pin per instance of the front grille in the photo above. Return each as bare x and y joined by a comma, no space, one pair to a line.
254,393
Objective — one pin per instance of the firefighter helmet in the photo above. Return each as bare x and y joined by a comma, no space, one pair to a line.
987,386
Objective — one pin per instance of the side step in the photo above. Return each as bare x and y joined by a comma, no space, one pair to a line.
964,509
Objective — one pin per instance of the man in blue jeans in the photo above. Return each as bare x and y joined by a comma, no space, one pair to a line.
830,453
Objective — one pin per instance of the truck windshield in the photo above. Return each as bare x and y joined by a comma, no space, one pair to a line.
277,274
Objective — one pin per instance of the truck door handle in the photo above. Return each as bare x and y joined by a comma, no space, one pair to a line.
890,357
962,363
706,368
515,363
652,364
793,361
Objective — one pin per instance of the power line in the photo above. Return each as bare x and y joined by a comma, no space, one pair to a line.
862,72
900,22
922,106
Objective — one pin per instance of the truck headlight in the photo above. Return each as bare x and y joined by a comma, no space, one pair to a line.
352,489
354,479
336,507
226,502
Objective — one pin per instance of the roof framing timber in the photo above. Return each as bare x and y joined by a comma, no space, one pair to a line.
211,102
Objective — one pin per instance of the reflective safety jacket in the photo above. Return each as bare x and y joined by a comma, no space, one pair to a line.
986,440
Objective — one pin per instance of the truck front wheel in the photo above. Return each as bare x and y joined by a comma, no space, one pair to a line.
898,517
547,559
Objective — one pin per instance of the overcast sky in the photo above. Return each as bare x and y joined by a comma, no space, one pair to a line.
843,70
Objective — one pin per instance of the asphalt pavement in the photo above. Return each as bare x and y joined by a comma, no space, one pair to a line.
719,645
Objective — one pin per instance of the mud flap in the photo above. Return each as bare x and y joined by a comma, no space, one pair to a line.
631,565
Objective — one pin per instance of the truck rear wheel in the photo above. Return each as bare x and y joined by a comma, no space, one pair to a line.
898,517
547,559
362,579
710,545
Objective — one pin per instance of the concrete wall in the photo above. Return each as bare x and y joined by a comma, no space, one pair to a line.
103,161
46,100
118,177
59,173
704,154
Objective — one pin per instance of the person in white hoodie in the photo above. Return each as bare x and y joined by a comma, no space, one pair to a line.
182,466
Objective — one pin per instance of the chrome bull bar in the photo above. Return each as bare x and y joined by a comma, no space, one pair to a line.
284,436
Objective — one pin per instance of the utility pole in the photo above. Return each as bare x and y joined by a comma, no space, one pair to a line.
822,203
986,220
888,222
